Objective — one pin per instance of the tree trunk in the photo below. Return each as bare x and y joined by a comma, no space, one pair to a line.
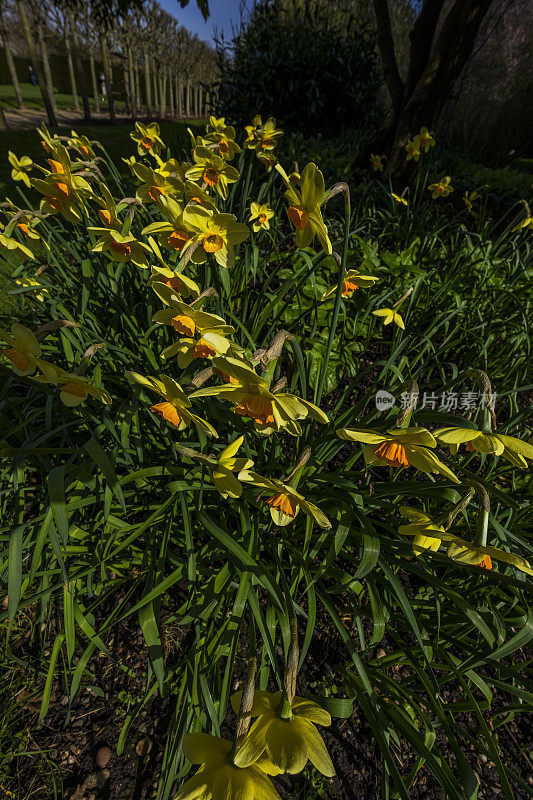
132,84
3,120
155,77
108,77
11,64
79,68
171,93
179,98
137,89
96,93
162,94
147,84
72,76
188,99
50,113
435,63
46,65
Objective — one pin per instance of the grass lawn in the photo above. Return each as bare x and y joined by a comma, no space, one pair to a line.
32,97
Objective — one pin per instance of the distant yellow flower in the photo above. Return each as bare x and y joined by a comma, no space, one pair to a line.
400,200
287,733
219,778
268,160
10,246
425,139
83,145
156,183
376,163
399,447
285,502
21,168
176,405
390,315
148,138
412,148
212,171
526,223
38,290
262,137
442,188
261,216
353,280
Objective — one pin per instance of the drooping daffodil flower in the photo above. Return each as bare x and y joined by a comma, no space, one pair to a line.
353,280
222,467
514,450
285,502
390,315
399,447
304,206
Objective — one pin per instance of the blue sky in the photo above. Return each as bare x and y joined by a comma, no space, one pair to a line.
223,13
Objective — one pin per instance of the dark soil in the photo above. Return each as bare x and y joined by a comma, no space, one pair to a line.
72,755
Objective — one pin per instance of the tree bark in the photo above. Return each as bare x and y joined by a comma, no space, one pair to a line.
108,77
3,120
72,76
96,93
147,84
11,63
188,99
30,42
179,98
171,93
131,74
436,61
155,77
46,64
79,67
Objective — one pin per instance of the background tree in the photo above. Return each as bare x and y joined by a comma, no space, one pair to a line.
4,33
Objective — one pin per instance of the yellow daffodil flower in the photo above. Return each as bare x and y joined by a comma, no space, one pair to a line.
218,125
441,189
428,535
23,351
172,234
222,467
304,206
251,397
400,200
148,138
156,183
390,315
262,137
74,389
211,344
108,210
260,215
185,319
425,531
288,735
26,226
412,148
21,168
211,170
214,234
121,248
12,247
223,142
35,287
82,144
376,163
353,280
481,556
514,450
178,282
64,194
524,225
49,142
267,159
219,776
176,405
425,140
285,502
399,447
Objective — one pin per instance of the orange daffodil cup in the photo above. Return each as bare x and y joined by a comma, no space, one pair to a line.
353,280
399,447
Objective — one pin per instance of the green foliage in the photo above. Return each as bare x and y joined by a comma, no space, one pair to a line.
313,65
106,522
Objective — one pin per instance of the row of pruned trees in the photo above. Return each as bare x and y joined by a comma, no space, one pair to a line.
163,68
